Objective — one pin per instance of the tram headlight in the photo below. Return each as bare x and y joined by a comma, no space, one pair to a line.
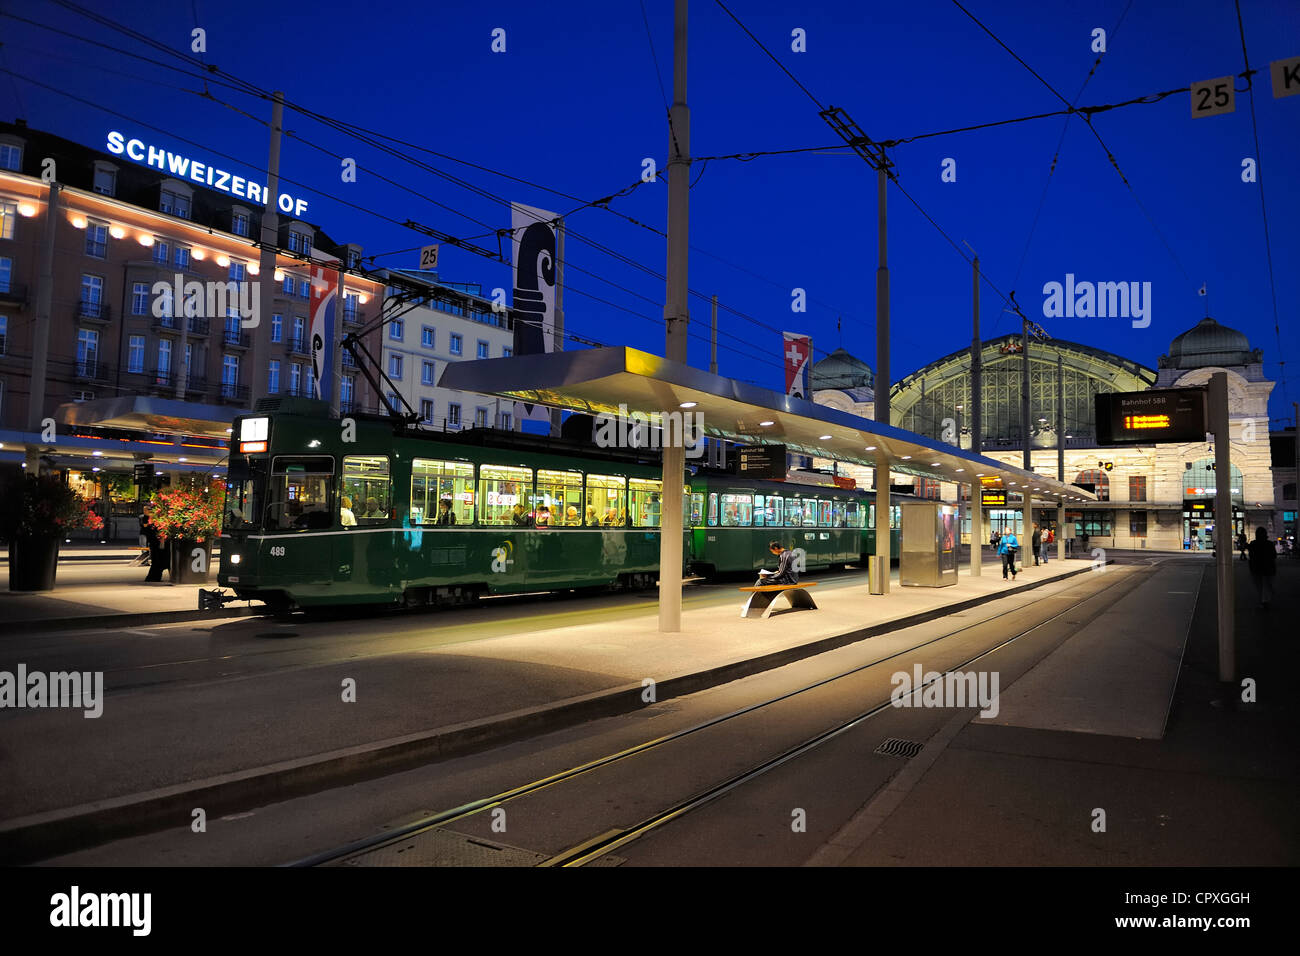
234,559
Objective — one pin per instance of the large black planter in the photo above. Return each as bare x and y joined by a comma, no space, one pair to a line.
32,563
183,559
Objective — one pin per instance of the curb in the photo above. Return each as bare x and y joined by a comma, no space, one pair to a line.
143,619
52,833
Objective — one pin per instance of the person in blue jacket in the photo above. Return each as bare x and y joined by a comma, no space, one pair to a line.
1007,547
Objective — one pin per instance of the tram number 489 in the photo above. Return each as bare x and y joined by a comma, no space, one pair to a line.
277,551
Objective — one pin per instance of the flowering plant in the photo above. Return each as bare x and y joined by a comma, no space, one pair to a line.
183,513
43,506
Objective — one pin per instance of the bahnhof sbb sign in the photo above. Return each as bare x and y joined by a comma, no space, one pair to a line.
1146,418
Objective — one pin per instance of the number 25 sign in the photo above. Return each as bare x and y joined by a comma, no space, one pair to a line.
429,258
1212,97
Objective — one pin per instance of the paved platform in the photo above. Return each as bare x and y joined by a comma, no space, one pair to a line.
226,723
1032,789
95,592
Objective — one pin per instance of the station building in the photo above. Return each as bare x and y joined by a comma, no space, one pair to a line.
1150,496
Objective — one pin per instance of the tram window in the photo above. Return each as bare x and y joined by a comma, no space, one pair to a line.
758,511
299,493
852,515
606,501
774,512
245,484
837,513
645,500
433,482
737,511
367,485
793,513
809,512
713,509
895,516
561,493
686,506
503,487
696,510
824,513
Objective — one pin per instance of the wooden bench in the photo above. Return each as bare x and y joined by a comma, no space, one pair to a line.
762,598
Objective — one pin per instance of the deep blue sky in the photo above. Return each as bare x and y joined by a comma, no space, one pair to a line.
574,104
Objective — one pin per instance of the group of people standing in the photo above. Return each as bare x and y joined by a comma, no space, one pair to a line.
1006,544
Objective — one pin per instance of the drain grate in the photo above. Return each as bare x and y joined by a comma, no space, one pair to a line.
897,747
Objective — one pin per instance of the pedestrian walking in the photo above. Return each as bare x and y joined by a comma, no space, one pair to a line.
158,553
1242,544
1048,540
1008,544
1036,543
1263,565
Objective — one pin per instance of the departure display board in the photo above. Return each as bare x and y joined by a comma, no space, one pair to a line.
995,499
761,461
1151,417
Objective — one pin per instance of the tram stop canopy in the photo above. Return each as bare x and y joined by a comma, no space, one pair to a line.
613,380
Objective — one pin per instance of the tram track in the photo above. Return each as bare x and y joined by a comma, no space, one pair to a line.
594,848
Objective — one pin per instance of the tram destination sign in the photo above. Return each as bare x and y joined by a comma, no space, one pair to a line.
761,461
1147,418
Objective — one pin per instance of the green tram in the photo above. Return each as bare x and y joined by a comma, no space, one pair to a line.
321,511
733,519
312,519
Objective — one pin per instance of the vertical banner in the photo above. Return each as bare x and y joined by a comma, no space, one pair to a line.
325,292
533,252
798,361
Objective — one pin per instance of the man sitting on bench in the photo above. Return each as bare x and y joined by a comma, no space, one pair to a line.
784,573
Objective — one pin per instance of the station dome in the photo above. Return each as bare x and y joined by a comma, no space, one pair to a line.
840,370
1210,344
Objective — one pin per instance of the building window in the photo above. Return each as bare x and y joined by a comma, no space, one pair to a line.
1137,524
229,373
354,258
350,307
295,378
304,288
105,180
11,157
8,213
97,239
139,298
238,270
164,360
426,410
239,223
311,381
135,354
1095,479
395,366
504,421
288,285
427,336
6,272
174,203
277,324
161,251
347,388
455,344
298,343
299,242
92,295
273,377
392,399
453,415
482,350
4,334
507,352
480,417
1096,524
1137,488
87,352
427,372
396,329
182,257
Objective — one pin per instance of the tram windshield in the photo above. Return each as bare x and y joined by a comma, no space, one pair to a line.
299,493
245,486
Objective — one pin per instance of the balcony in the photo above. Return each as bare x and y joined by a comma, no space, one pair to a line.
236,339
233,393
351,317
165,323
14,293
161,380
91,370
300,391
198,325
93,312
297,344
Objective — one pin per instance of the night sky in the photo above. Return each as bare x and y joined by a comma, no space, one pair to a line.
574,104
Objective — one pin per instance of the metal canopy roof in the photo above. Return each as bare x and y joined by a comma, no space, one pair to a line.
147,413
608,380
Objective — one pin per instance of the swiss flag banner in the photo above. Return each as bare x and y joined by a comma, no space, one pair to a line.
798,358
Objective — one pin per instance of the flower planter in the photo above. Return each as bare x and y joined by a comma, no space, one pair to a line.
32,563
183,560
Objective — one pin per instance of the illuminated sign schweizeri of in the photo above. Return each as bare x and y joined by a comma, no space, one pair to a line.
183,167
